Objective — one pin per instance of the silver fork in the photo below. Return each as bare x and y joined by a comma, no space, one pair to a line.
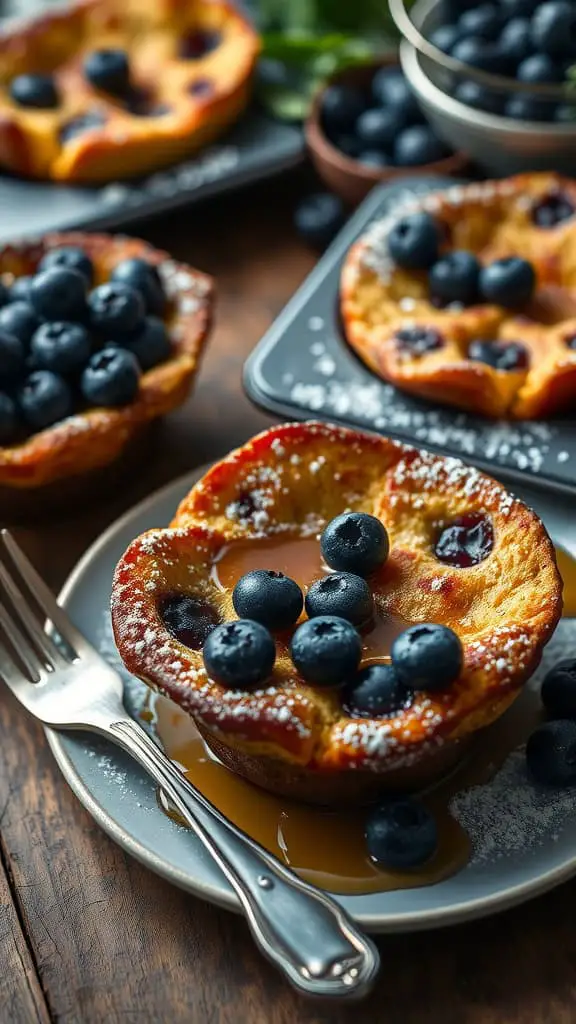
68,685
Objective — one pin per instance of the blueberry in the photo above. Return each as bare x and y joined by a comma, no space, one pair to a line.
373,158
539,68
59,294
454,278
150,343
414,241
12,359
341,107
501,355
559,690
343,594
466,541
20,288
445,37
401,834
108,70
554,28
36,91
508,282
427,656
61,347
483,21
479,53
479,96
142,103
145,278
355,542
348,144
71,257
268,597
553,208
19,319
44,399
326,650
418,341
515,40
198,43
319,217
8,419
374,692
551,753
418,145
111,378
239,654
392,91
378,127
528,108
188,618
115,309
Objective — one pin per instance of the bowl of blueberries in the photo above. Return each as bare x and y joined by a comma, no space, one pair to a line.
366,126
495,78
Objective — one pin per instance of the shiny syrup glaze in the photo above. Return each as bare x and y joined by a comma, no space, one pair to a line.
323,846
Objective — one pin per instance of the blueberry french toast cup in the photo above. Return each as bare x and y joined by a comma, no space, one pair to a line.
296,739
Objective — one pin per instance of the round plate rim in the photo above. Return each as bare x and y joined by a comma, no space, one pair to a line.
420,920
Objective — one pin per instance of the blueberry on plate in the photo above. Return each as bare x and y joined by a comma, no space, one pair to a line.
108,70
479,96
268,597
427,656
378,127
111,378
374,158
37,91
554,28
466,541
71,257
115,308
44,399
326,651
509,282
374,692
515,40
559,690
479,53
59,294
8,419
141,275
190,619
19,318
341,107
355,542
414,241
20,288
484,21
392,91
319,217
454,278
343,594
539,67
529,108
401,834
445,37
61,347
239,654
418,145
507,356
12,359
150,343
551,753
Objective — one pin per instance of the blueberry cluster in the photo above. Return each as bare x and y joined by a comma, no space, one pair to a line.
551,749
65,345
524,39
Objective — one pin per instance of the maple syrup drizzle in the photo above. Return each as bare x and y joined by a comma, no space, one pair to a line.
323,846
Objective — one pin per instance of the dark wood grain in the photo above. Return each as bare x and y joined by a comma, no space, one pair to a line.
111,942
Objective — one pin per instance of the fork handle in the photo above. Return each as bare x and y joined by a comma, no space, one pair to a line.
298,927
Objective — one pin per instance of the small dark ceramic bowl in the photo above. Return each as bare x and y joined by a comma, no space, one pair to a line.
349,178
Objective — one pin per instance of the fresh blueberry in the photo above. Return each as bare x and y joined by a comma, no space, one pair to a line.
539,68
268,597
190,619
445,37
454,278
8,419
36,91
374,158
466,541
427,656
479,53
528,108
326,650
60,347
239,654
507,356
76,126
150,343
44,399
418,341
378,127
355,542
414,241
71,257
418,145
559,690
319,217
401,834
509,282
565,113
19,319
59,294
349,144
111,378
343,594
12,359
374,692
551,753
479,96
341,107
553,208
484,21
20,289
115,309
108,70
515,40
391,90
144,277
554,28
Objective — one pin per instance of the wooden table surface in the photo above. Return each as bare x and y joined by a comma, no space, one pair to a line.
87,934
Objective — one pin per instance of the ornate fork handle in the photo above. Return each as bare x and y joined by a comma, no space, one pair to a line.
302,930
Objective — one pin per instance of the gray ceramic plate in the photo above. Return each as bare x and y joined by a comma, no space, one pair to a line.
525,840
